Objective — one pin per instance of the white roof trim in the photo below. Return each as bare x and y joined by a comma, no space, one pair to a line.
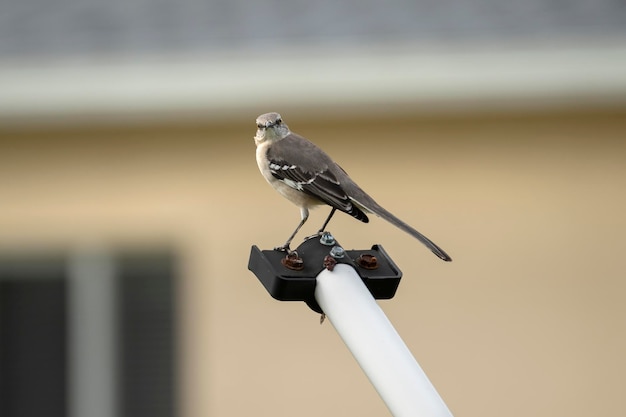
229,84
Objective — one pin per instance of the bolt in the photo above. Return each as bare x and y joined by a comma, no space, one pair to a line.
368,261
329,262
337,252
327,239
293,261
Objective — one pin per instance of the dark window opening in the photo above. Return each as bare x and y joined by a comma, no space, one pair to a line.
36,320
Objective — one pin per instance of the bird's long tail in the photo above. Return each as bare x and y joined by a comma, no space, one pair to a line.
370,205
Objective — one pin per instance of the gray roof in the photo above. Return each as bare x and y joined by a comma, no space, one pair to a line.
130,27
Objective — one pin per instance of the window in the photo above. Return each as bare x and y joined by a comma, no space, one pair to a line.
33,338
88,334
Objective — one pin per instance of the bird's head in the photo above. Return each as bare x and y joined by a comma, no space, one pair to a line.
270,127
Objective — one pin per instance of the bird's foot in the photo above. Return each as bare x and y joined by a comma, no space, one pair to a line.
325,237
284,248
313,236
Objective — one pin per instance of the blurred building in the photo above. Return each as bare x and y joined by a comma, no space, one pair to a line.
129,198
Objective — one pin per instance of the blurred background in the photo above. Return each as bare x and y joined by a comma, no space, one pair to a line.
130,197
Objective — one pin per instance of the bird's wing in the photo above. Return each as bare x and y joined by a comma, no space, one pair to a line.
303,166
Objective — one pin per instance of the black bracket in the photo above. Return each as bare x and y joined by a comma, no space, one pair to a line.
294,279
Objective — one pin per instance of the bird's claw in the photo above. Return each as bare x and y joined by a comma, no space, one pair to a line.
315,235
284,248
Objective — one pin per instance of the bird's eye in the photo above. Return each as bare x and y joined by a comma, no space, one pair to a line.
278,121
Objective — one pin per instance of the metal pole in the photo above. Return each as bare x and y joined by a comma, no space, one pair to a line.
375,344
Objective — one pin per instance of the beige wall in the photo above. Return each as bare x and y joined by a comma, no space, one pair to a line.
529,319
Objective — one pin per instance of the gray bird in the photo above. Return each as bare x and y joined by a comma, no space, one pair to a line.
305,175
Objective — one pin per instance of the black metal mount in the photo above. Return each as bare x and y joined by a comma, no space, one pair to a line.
292,276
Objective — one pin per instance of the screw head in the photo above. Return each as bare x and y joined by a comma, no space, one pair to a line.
293,261
337,252
327,239
368,261
329,262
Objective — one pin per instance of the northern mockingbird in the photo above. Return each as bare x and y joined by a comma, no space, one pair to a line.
307,176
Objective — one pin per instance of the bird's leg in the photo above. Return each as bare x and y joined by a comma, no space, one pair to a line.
285,247
319,232
304,214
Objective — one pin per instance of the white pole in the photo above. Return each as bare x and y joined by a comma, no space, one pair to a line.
375,344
